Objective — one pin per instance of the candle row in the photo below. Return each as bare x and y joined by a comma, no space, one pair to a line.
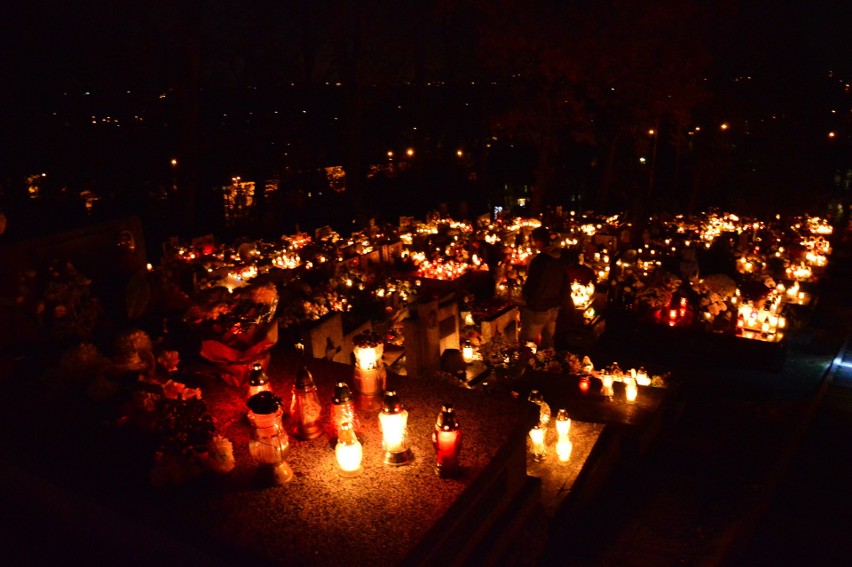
270,440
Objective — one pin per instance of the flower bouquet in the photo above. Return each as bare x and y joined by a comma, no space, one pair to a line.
188,443
237,328
657,293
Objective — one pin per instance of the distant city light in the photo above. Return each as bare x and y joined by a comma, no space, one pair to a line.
459,153
409,152
642,160
390,153
651,132
174,162
832,134
724,126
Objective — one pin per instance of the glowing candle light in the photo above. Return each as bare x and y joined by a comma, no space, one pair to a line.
631,391
393,421
370,371
447,439
563,443
348,451
467,352
537,448
606,385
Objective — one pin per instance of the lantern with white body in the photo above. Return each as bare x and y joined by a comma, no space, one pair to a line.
631,391
370,374
393,421
467,352
563,443
606,385
348,451
537,447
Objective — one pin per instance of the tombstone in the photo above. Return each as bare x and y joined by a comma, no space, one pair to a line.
391,252
431,328
324,339
371,260
505,323
322,233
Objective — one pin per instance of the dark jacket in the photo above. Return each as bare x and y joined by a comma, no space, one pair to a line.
547,280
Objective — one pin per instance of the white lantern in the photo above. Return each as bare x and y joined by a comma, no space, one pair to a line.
631,391
537,448
393,421
348,451
467,352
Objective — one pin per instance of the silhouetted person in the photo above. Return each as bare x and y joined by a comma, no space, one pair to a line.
544,291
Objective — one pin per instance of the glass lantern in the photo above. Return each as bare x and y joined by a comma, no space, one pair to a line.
447,440
258,381
537,447
370,373
631,390
537,398
563,443
393,421
343,410
606,385
348,451
269,443
305,407
467,352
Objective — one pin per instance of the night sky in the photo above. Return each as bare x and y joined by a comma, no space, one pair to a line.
56,53
119,43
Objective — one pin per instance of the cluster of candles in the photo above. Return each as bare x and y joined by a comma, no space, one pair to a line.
677,313
800,272
271,439
581,295
563,446
440,270
538,434
761,321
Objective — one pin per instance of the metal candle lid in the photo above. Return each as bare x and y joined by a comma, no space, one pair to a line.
257,377
304,379
391,403
264,403
342,394
447,419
